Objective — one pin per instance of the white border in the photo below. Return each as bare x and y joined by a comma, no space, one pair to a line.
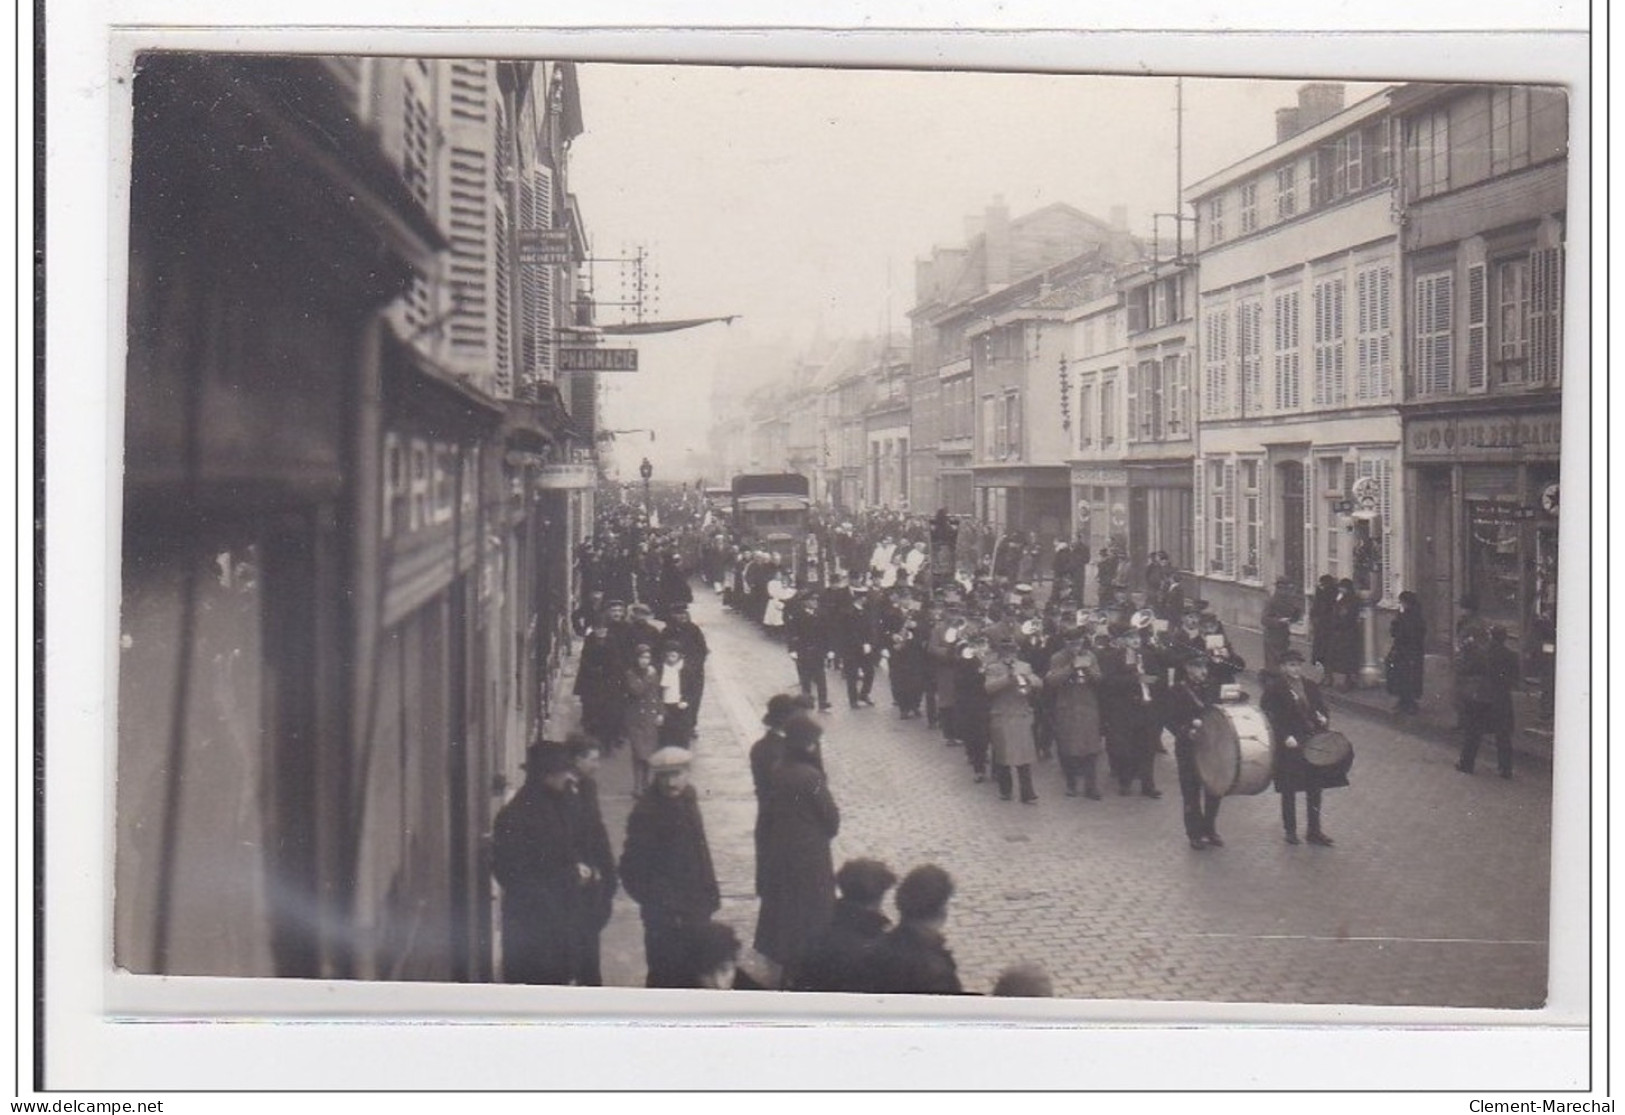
89,1051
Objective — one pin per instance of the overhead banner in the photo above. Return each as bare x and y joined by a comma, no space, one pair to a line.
577,359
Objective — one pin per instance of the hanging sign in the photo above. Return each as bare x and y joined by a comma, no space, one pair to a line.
577,359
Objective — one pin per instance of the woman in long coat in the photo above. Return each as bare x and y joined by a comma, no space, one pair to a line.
1010,723
1406,657
1320,618
797,872
1343,648
1072,682
643,715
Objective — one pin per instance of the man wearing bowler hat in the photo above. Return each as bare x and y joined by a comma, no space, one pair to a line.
666,868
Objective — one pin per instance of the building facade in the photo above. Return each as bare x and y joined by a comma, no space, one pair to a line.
1484,178
346,548
1297,376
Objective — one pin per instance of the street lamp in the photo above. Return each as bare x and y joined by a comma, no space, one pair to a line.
646,470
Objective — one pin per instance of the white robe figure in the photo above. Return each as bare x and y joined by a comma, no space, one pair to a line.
777,593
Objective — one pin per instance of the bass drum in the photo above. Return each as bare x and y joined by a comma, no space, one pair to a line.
1233,750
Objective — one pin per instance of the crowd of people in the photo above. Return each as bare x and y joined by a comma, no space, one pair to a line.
1009,674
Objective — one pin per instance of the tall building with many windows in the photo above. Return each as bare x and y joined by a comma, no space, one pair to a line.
1298,449
1484,180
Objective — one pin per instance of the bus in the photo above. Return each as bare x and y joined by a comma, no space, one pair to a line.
772,511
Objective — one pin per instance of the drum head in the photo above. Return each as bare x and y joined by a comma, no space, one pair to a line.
1218,752
1327,749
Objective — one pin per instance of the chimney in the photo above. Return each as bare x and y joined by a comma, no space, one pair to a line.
974,227
924,286
1119,218
1286,124
998,242
1319,101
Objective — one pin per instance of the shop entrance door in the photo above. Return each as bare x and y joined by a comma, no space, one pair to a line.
1435,558
1289,476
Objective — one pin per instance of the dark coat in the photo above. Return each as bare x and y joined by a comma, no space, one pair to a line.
601,685
600,897
908,666
1407,656
972,705
666,863
856,628
1343,651
1281,611
538,839
1321,606
1493,672
910,960
1075,707
809,636
642,712
835,960
796,874
1288,716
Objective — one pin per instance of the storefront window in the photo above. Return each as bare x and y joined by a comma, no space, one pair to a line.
1493,561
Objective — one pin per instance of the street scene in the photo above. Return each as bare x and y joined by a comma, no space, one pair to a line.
892,549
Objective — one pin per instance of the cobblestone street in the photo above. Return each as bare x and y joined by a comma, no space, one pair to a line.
1435,894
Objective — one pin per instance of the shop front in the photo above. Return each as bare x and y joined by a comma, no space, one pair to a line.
1161,515
1486,498
1100,506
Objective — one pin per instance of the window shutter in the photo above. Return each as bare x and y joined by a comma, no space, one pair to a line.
1131,380
1546,315
1444,293
1338,384
1478,376
1199,486
1312,504
1382,298
1186,412
1231,565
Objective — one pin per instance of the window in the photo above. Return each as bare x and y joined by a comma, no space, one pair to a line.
1509,129
1175,392
1012,424
1108,412
1249,345
1378,154
1334,489
988,425
1216,369
1286,191
1373,349
1381,469
1086,416
1511,318
1215,220
1159,305
1146,403
1288,374
1249,207
1434,305
1252,525
1429,153
1330,388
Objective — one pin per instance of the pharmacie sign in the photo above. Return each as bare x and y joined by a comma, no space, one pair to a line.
574,358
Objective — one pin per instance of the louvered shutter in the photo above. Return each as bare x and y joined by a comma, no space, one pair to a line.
1199,485
536,204
1381,469
1231,502
1382,299
1338,383
1363,350
1478,370
1187,411
1131,377
1546,315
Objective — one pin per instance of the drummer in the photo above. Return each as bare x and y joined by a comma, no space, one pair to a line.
1297,711
1184,704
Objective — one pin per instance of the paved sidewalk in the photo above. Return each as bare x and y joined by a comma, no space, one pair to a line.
1437,719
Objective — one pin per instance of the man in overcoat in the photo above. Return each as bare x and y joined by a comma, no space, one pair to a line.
809,644
666,867
834,961
1011,685
1296,710
913,959
541,857
797,872
1494,672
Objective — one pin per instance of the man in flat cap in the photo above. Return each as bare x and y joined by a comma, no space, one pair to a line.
542,858
666,867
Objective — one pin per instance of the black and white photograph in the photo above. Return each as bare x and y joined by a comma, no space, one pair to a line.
823,536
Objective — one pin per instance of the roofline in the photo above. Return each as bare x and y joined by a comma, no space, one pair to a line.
1309,137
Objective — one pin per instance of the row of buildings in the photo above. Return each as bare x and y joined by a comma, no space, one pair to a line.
354,470
1347,362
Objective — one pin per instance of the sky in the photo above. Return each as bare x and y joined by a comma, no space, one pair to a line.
800,199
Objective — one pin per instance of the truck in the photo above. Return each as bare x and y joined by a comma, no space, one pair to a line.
772,512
